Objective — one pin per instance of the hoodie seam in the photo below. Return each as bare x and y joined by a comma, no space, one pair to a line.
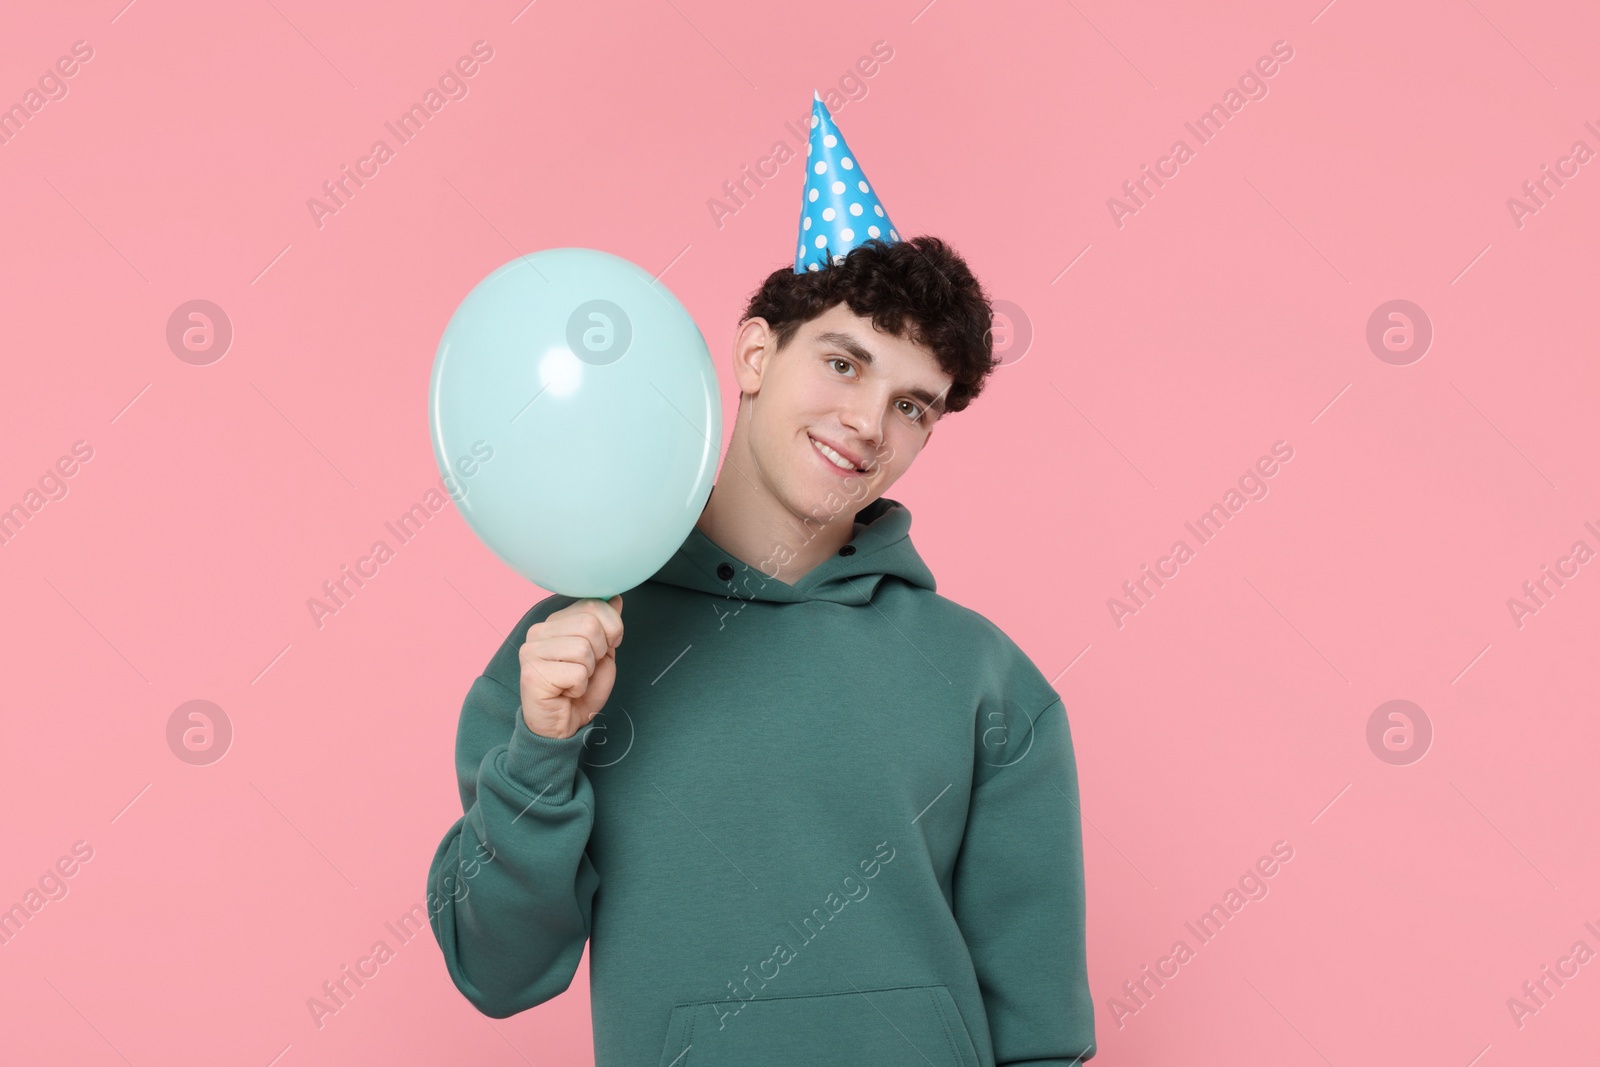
811,996
1033,725
944,1022
1040,713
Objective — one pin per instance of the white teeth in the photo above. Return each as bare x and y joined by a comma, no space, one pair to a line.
833,457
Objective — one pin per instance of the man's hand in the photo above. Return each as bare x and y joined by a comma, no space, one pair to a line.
569,666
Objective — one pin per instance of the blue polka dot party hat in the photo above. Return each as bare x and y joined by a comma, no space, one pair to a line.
839,209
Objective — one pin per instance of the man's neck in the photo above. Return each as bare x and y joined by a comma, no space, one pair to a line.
743,517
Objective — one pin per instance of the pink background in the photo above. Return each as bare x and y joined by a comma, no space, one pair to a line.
1227,314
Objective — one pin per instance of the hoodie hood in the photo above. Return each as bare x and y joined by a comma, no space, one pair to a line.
880,549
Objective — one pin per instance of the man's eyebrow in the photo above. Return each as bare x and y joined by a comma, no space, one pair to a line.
846,342
856,349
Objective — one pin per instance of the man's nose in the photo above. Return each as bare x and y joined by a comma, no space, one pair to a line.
866,421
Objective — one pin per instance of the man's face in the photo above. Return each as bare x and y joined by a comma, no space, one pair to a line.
842,383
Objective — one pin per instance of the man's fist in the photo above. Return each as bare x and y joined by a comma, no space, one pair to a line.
569,666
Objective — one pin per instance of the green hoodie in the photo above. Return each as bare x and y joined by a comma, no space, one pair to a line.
834,822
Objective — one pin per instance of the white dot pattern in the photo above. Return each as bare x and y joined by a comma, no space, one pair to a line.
830,205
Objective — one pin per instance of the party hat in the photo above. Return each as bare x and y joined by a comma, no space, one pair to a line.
839,210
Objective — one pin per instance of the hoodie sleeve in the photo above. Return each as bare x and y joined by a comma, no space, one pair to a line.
511,887
1019,893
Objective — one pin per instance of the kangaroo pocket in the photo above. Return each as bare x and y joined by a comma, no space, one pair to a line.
911,1025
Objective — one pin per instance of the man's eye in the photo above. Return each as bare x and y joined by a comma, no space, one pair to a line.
841,359
916,412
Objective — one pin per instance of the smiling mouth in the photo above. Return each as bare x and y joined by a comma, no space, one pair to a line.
818,447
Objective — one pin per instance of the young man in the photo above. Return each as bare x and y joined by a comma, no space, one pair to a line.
820,814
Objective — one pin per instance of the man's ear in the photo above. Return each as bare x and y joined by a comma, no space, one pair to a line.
753,345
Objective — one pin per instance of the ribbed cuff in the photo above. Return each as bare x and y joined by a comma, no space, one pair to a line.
543,767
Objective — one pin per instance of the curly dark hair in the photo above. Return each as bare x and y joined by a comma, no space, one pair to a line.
918,289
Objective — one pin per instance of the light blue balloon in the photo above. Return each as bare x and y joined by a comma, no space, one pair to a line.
576,412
